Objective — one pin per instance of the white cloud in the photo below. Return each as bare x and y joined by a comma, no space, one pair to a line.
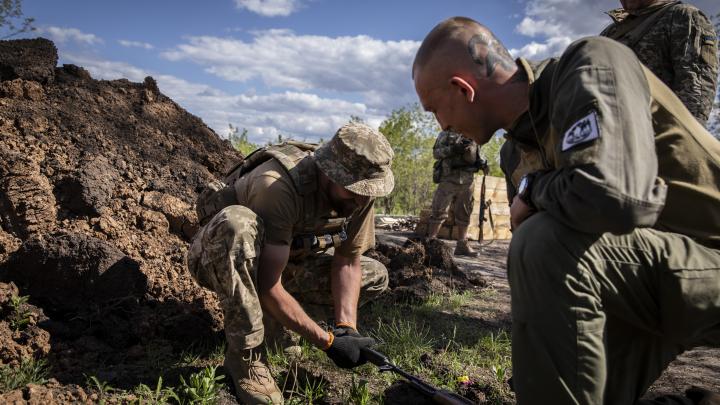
301,115
541,50
63,35
553,24
270,8
375,69
135,44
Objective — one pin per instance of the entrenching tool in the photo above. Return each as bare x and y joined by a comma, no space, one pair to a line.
437,395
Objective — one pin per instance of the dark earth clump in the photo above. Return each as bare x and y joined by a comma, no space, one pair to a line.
421,267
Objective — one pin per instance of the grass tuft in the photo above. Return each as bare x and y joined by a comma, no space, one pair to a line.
404,341
30,371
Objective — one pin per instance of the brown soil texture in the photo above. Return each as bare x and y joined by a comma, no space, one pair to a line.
97,181
421,267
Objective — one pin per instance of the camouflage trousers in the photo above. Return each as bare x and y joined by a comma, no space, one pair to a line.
223,257
597,318
459,195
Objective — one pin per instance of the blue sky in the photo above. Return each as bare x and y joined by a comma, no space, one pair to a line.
299,68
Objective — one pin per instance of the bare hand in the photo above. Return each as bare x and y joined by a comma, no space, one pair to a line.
519,212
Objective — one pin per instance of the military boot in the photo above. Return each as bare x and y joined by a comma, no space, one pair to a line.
463,249
254,384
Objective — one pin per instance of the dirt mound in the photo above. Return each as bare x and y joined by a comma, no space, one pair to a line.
421,267
66,272
97,182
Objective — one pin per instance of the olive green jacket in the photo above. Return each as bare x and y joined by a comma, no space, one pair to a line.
613,147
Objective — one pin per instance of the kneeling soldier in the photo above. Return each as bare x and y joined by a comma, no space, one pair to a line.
265,247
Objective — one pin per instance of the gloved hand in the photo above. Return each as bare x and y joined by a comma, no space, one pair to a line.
345,348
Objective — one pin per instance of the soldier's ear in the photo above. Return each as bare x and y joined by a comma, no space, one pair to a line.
464,87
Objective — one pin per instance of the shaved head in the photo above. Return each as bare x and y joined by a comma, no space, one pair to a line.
466,77
461,42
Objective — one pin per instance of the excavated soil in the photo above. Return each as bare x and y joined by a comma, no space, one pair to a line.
97,181
421,267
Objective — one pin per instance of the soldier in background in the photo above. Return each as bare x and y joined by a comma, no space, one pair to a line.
263,247
457,162
675,41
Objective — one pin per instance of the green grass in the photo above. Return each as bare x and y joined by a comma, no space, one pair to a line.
308,392
404,341
200,354
29,371
451,302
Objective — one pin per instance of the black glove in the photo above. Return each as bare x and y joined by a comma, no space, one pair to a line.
345,350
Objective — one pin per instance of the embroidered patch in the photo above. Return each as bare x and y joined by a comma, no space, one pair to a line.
584,130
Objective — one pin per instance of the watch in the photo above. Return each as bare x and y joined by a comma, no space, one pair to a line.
525,188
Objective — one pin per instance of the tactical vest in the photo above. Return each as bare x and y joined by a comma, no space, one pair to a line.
315,234
631,32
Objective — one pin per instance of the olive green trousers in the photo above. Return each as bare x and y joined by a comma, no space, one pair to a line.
597,318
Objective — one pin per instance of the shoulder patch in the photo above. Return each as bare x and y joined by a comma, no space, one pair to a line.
584,130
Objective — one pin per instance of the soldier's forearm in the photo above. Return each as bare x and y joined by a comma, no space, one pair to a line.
286,310
346,277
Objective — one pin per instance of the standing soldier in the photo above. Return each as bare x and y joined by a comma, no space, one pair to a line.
675,41
614,264
263,249
457,162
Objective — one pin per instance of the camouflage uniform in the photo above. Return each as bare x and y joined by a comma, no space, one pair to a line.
614,275
456,165
677,42
224,254
224,258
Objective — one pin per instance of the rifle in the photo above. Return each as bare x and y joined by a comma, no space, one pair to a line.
485,207
437,395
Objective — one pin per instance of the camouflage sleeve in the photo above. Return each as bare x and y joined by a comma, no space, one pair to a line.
442,148
693,53
602,142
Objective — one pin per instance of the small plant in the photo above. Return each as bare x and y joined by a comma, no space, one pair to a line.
160,395
20,317
30,371
500,371
359,393
202,387
102,387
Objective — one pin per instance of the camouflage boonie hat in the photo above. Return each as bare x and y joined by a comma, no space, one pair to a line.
358,158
